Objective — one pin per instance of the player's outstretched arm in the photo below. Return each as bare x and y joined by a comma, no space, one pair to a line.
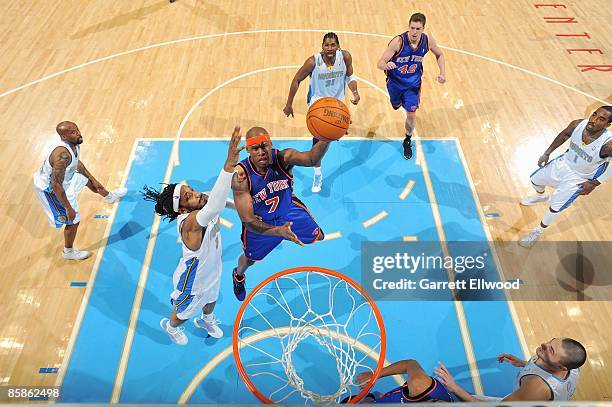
217,199
558,141
300,75
290,156
532,388
393,47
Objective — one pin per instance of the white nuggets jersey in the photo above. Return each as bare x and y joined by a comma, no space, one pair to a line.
584,159
562,390
327,81
198,272
42,177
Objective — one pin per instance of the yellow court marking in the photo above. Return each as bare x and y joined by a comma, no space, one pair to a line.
410,238
375,219
226,223
333,235
406,190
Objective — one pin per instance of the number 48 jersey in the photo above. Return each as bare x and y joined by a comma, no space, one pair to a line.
272,191
409,62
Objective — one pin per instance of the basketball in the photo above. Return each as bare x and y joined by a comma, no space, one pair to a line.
328,119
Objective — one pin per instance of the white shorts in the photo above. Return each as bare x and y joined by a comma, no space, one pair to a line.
558,175
194,287
55,211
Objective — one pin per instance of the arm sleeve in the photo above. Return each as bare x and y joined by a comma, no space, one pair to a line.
216,199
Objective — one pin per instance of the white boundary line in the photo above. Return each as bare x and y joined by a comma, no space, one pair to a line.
92,278
515,319
174,156
294,30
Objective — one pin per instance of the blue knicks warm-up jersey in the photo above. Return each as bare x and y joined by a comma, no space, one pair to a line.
409,63
271,192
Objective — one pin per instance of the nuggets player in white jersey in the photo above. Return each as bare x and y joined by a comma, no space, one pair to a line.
197,277
582,168
551,375
59,181
330,71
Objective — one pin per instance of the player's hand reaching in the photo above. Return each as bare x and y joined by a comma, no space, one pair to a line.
356,98
513,360
390,65
441,78
543,160
446,378
364,378
233,151
286,232
288,110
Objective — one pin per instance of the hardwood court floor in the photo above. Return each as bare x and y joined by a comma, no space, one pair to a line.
504,118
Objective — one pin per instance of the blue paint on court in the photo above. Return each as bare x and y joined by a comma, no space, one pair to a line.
361,179
97,351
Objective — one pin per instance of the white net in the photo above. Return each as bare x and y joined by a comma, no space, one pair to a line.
305,336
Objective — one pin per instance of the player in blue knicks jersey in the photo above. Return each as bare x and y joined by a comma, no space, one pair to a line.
263,195
420,387
402,61
330,71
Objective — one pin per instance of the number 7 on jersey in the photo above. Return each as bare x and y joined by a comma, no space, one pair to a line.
273,203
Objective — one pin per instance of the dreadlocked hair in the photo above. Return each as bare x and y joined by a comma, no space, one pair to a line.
162,199
333,36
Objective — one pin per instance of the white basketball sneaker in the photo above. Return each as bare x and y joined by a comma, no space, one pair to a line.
75,254
534,199
531,238
176,335
209,324
115,195
317,183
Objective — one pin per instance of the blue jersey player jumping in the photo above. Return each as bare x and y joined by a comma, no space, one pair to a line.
402,61
263,195
420,387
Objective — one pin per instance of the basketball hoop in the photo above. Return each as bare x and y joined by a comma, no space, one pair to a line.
316,309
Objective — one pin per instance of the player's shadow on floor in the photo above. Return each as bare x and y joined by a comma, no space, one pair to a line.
120,20
361,152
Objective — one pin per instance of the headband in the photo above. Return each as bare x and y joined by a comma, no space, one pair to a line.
258,139
176,196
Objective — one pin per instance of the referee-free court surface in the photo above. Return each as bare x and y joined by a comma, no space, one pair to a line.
122,354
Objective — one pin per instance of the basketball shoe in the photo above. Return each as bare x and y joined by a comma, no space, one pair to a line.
176,335
209,324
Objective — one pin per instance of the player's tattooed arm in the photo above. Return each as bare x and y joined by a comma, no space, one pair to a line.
244,206
606,150
60,160
83,170
557,142
290,156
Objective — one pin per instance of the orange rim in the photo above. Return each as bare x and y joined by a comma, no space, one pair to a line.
352,283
